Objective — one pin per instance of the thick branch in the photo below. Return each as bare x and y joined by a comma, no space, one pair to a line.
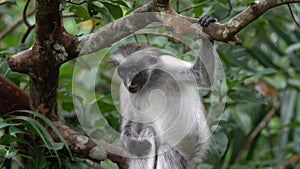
19,61
11,97
225,32
85,147
53,46
115,31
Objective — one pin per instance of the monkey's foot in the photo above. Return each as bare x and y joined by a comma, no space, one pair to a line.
206,20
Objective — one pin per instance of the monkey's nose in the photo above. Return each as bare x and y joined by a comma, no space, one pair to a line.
133,88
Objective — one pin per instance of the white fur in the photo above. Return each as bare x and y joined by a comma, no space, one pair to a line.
172,107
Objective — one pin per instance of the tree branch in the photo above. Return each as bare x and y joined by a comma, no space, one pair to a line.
115,31
24,14
87,148
12,97
225,32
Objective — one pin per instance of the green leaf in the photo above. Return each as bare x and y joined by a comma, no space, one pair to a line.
266,71
81,12
281,34
77,163
246,96
14,50
11,153
277,80
39,128
57,146
120,3
262,57
218,144
114,10
53,127
12,2
244,121
13,130
235,77
108,164
3,151
297,129
41,161
288,103
6,139
92,9
43,132
4,124
293,47
105,106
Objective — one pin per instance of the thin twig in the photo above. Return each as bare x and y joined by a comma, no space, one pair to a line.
293,16
230,8
24,14
136,39
27,33
194,6
177,6
256,131
70,15
76,3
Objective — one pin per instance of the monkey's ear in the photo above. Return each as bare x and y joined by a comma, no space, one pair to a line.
116,58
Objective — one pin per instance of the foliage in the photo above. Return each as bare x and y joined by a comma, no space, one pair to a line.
261,74
24,131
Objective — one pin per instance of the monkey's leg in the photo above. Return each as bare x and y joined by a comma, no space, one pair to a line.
129,129
144,149
169,158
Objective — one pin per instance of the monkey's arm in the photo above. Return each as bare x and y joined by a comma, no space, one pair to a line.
200,74
186,72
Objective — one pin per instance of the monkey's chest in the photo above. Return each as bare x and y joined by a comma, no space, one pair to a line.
172,116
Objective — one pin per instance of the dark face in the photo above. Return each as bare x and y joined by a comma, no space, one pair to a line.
136,71
137,82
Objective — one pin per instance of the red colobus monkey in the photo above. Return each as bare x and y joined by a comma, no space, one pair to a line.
163,122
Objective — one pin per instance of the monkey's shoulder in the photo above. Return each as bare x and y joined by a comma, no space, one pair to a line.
173,61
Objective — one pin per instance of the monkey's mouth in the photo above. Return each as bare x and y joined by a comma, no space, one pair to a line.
133,88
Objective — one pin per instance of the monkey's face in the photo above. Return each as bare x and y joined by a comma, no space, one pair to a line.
135,71
135,82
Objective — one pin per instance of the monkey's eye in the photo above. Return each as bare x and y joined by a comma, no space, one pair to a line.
143,74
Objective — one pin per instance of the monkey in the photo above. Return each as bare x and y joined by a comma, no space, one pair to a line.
163,122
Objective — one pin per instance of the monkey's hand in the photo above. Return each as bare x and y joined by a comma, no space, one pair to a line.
139,147
144,144
206,20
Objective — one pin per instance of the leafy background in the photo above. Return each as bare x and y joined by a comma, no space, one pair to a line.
260,127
